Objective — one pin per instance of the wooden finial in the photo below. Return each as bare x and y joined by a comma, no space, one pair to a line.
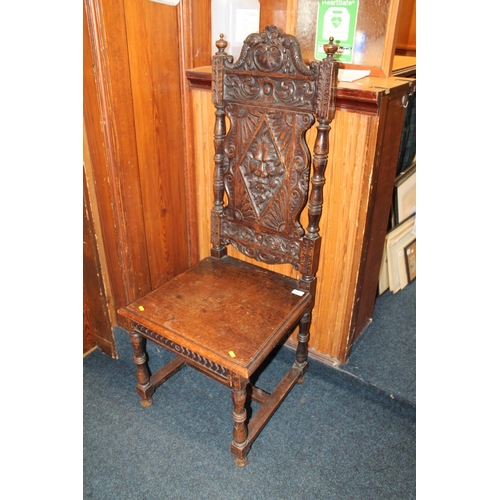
330,48
221,43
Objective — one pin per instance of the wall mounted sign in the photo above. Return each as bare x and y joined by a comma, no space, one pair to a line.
337,18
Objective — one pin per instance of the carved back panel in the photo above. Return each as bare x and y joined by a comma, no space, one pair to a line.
270,98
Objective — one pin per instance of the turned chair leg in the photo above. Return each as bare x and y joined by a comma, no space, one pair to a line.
240,429
144,387
302,350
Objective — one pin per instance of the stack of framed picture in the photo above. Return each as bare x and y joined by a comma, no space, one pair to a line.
399,261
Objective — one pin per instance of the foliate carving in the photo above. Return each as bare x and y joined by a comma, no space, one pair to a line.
272,51
271,98
308,257
183,351
217,79
270,90
267,172
325,94
269,248
244,87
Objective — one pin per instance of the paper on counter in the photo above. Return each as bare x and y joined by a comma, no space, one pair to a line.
350,75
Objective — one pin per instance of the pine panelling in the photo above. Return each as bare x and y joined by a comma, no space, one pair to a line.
109,124
135,111
97,329
195,50
155,77
203,117
344,216
346,195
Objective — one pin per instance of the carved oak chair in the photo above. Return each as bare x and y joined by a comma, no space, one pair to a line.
224,316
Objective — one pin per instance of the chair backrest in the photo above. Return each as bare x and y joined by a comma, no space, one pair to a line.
262,163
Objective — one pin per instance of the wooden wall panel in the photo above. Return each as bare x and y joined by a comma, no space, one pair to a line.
281,13
109,122
135,101
152,38
203,113
348,176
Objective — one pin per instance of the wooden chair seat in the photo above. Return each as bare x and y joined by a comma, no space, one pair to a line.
228,311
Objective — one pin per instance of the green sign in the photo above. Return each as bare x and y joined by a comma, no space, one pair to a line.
336,18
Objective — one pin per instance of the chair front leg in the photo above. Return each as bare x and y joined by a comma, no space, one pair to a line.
240,429
302,349
144,387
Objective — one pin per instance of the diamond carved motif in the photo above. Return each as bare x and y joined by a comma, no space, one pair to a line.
262,170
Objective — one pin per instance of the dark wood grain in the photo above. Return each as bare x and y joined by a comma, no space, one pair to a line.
363,101
224,316
198,310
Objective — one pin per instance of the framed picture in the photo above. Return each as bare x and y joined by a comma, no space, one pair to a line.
396,241
383,278
405,194
411,260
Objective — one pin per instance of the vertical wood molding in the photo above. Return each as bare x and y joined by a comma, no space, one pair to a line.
390,37
97,314
195,50
92,203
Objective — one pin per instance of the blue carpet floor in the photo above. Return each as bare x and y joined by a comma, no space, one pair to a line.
385,353
344,434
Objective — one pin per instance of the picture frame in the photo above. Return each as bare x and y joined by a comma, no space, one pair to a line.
396,241
383,278
411,260
405,194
